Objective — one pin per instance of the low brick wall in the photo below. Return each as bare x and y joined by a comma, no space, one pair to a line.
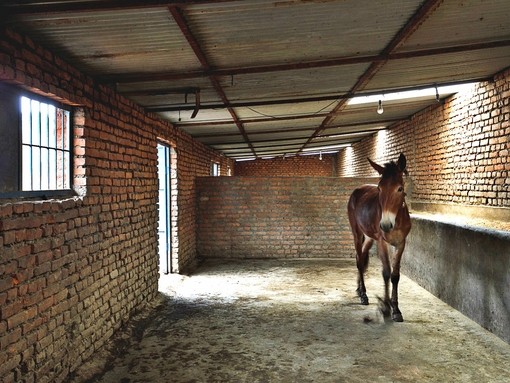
281,217
465,266
295,166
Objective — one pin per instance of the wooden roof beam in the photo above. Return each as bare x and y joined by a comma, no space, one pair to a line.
179,18
426,9
34,7
340,61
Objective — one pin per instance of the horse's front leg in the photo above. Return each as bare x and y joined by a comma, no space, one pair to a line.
382,251
395,278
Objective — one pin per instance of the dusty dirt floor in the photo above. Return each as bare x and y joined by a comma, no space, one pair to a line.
294,321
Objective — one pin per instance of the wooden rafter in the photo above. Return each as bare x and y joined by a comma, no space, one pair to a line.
402,35
179,18
381,58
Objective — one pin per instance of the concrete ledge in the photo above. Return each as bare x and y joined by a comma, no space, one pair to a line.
467,267
484,216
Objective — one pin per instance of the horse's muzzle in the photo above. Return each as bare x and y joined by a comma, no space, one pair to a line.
386,226
387,222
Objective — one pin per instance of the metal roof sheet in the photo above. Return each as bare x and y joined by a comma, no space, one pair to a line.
462,22
259,32
272,77
114,41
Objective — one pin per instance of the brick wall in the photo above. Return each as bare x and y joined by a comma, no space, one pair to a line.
193,160
279,217
458,152
73,270
296,166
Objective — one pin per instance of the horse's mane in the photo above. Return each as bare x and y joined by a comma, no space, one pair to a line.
390,169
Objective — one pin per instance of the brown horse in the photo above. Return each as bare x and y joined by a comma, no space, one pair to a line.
379,213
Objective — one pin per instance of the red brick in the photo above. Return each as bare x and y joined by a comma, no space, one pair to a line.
116,162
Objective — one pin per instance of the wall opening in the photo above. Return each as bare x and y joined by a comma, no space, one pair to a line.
167,202
215,169
36,145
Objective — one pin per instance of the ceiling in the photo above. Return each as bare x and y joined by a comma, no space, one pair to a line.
261,78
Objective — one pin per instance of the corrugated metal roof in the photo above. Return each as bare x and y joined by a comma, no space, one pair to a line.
264,32
448,67
284,69
462,22
114,41
293,83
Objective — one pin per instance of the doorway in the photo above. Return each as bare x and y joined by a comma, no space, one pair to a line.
167,201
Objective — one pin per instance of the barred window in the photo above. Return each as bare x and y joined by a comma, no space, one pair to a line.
35,145
45,160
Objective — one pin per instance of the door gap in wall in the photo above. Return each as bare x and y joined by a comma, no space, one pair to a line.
167,201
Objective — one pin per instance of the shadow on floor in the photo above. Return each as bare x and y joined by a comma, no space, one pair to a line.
294,321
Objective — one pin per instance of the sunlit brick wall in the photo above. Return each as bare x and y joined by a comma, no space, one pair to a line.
458,151
73,270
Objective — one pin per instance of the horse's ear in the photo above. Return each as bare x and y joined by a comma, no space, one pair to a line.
378,168
402,162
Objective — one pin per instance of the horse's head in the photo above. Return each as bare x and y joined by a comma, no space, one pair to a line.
391,190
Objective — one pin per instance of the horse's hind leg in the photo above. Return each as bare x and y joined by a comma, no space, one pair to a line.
363,245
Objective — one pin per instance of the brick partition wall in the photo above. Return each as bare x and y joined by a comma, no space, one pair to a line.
278,217
73,270
295,166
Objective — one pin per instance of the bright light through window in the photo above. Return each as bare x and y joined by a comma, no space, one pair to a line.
427,92
215,169
324,148
46,152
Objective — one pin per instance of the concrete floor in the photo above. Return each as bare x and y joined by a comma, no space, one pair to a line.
295,321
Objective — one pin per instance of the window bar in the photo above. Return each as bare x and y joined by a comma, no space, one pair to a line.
54,144
64,147
48,182
67,181
60,157
50,153
64,167
57,162
38,149
64,181
47,149
30,146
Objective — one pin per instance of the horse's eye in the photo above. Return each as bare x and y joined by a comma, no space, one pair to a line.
400,189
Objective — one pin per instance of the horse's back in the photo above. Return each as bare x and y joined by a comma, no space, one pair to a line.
363,209
365,194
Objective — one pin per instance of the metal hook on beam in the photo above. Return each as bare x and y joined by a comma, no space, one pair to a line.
197,104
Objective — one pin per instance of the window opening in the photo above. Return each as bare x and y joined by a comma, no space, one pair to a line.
215,169
45,146
36,147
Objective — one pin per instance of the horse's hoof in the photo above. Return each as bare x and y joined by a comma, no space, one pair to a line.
397,317
384,308
362,296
